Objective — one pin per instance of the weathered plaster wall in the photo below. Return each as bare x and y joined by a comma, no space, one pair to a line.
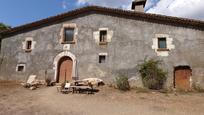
131,42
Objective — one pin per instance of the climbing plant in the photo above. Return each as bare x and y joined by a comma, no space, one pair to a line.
153,77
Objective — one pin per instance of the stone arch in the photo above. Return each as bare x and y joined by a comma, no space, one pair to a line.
57,59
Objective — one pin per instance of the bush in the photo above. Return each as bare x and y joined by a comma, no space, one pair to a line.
153,77
63,85
48,81
122,83
197,88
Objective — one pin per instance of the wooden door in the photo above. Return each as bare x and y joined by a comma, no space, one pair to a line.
182,78
65,69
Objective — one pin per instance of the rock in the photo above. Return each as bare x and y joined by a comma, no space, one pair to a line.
94,81
26,85
31,79
23,84
135,82
33,88
32,82
52,83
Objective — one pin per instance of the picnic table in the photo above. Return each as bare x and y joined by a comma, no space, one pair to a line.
77,87
81,89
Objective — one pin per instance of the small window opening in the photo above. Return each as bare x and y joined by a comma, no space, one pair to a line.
162,43
103,36
29,45
20,68
102,59
68,35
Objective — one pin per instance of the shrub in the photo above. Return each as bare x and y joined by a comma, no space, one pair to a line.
197,88
122,82
63,85
153,77
48,81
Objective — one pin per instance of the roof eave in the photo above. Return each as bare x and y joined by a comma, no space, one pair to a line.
108,11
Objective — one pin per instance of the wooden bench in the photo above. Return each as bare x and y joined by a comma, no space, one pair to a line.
81,89
66,91
76,87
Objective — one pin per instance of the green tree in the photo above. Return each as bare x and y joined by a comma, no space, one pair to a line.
4,27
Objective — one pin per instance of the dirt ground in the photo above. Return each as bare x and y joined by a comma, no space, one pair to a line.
16,100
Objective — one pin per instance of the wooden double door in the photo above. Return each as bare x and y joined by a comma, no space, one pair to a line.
65,66
182,76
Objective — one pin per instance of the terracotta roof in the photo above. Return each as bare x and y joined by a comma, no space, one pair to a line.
175,21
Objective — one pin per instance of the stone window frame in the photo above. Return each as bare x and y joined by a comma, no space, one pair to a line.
62,33
25,44
169,45
102,54
96,36
21,65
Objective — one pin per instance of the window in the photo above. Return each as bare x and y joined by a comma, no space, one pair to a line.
28,45
102,58
103,36
162,43
68,35
20,68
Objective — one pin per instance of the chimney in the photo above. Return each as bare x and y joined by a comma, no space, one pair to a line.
138,5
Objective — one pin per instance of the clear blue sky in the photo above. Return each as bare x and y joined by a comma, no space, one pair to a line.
18,12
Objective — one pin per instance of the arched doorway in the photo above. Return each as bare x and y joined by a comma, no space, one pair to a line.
65,66
182,77
59,59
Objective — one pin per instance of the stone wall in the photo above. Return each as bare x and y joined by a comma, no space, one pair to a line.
129,43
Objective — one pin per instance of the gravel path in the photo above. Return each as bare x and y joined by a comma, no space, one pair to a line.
15,100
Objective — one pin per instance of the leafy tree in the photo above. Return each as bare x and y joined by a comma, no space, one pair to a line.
4,27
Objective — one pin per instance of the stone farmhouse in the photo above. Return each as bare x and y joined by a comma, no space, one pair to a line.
102,42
